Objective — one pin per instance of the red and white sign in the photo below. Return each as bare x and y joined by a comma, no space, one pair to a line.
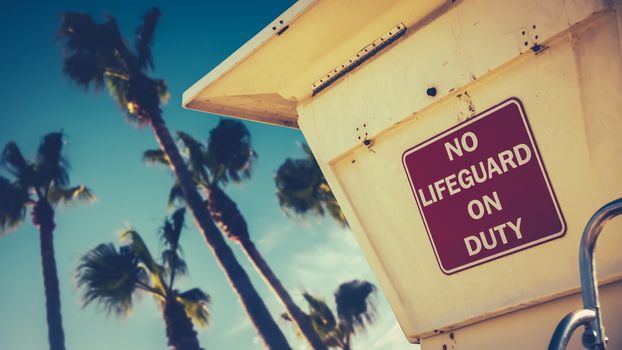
482,189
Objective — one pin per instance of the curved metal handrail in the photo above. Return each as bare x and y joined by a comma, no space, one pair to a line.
567,326
594,334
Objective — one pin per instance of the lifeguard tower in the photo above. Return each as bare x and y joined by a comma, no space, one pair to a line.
468,143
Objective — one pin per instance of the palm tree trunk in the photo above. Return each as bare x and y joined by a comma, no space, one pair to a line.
231,222
267,328
43,218
179,329
299,318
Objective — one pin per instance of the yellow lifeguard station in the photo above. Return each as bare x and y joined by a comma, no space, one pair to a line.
468,143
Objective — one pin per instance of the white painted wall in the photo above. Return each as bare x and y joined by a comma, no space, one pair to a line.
474,54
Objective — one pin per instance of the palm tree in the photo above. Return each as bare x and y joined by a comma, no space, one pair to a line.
229,157
96,53
302,188
114,277
40,185
355,311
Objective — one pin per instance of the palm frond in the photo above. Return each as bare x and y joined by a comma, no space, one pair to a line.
196,303
298,187
155,156
320,312
155,270
144,38
78,30
302,188
176,196
194,152
334,210
91,49
68,195
84,69
136,95
96,51
123,58
322,318
80,33
229,147
109,277
118,88
50,164
355,304
167,234
143,98
14,162
173,263
134,240
13,200
162,90
178,218
170,232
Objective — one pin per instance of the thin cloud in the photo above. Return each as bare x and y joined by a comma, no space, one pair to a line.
275,236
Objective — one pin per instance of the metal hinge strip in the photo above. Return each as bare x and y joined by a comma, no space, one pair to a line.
360,57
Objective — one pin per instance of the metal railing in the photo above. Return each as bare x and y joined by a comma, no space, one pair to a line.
590,316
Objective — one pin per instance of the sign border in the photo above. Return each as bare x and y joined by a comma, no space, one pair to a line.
509,101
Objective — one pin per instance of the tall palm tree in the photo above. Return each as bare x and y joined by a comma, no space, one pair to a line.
96,53
302,188
355,312
40,185
113,277
229,157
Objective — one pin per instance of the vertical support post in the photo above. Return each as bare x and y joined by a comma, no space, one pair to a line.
590,316
594,335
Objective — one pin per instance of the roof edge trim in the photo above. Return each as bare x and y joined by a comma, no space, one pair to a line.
260,39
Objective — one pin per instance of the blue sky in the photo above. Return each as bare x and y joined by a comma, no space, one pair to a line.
105,154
